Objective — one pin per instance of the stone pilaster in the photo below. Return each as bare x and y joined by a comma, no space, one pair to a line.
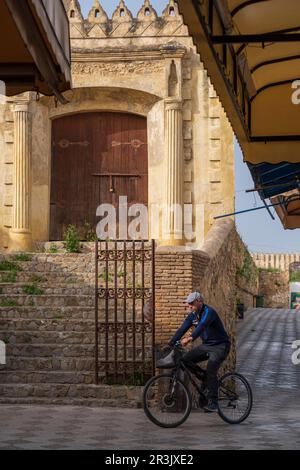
174,178
20,235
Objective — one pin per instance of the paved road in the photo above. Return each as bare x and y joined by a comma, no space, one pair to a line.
264,356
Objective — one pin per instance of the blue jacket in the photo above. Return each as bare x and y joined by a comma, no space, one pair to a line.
208,326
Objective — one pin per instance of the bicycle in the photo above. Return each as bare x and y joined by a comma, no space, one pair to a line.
168,402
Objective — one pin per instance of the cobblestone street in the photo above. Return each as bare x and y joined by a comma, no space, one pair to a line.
264,357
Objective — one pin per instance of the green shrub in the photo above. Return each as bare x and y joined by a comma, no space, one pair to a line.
248,270
71,240
9,266
295,276
53,248
269,270
8,278
22,257
32,289
106,277
8,303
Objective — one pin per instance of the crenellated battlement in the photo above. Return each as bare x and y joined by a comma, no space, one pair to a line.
123,23
280,261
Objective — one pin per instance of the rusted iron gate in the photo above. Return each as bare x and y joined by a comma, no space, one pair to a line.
124,311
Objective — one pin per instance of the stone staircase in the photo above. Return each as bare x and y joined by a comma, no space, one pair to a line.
47,323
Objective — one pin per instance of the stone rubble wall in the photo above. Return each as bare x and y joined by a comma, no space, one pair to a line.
274,272
275,289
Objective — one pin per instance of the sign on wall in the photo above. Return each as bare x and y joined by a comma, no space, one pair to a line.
295,295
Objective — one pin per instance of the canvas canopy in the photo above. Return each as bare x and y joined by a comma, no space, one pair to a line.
251,50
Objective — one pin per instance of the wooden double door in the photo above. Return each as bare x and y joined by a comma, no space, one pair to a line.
96,158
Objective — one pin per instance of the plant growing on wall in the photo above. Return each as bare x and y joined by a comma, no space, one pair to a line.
295,276
9,266
269,270
248,270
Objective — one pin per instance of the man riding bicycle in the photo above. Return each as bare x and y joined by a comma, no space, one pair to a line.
215,343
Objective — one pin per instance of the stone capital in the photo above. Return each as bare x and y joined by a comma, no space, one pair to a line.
21,108
173,104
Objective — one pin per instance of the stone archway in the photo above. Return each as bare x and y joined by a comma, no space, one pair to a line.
96,158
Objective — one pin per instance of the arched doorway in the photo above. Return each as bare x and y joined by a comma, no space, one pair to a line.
96,158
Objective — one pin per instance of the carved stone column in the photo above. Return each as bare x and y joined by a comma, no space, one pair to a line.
174,177
20,235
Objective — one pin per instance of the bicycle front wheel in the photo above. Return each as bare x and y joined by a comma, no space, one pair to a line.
234,398
167,401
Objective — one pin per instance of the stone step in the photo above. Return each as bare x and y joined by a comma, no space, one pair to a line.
62,351
51,313
61,263
57,278
49,300
45,377
46,267
57,390
67,336
58,325
47,337
8,289
89,402
50,350
59,321
85,247
26,258
52,363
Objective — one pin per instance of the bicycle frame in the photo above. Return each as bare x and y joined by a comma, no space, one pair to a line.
191,371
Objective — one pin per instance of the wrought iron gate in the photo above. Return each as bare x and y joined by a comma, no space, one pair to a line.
124,311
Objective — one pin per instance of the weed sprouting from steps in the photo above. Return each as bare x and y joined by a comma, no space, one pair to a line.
22,257
36,279
53,248
9,266
8,278
106,277
8,303
71,240
32,289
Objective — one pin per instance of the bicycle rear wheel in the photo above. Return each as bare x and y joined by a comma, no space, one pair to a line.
167,401
235,398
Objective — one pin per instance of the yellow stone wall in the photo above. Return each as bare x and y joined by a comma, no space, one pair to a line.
130,65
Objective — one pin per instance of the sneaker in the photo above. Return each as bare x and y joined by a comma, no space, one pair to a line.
211,407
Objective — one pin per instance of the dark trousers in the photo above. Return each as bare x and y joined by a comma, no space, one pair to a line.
215,356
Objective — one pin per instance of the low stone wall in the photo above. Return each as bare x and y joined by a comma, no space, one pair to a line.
274,286
212,270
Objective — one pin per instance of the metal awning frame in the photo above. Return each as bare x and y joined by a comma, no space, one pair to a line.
44,31
284,203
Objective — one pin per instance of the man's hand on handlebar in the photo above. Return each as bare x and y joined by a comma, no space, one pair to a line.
186,341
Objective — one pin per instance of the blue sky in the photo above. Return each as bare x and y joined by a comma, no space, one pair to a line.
110,5
257,228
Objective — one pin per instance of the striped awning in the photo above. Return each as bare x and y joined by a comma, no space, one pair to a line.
251,50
